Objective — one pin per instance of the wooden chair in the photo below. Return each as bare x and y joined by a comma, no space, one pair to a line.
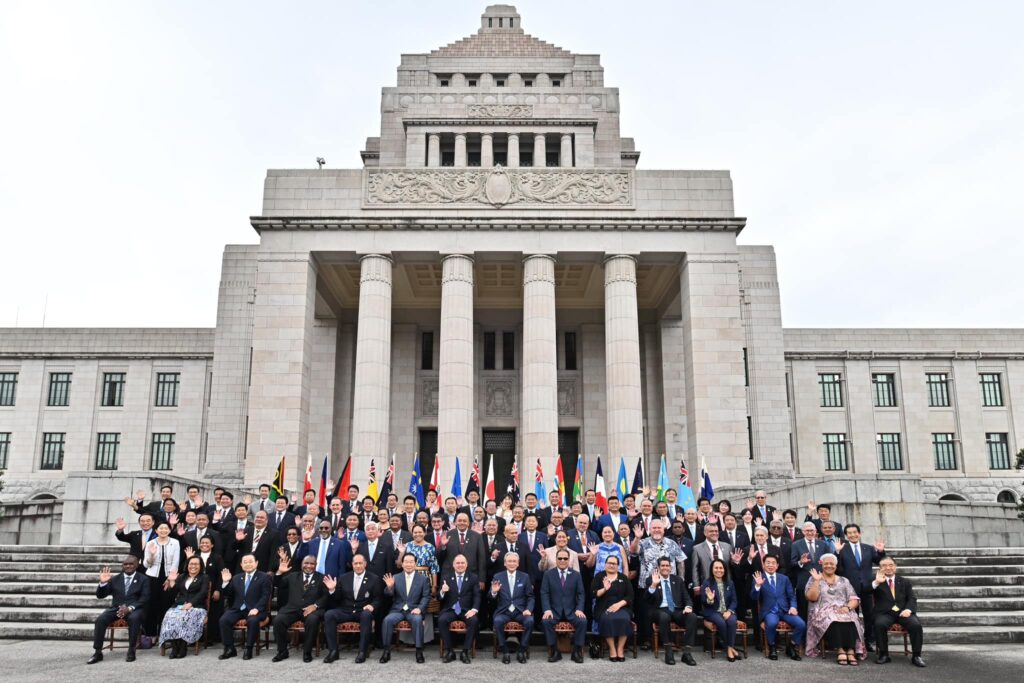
457,626
564,631
657,641
783,629
350,627
513,628
204,640
242,625
711,631
298,631
899,630
117,625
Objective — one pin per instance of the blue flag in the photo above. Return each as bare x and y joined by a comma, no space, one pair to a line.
457,481
621,485
662,478
416,483
638,477
540,489
686,499
706,489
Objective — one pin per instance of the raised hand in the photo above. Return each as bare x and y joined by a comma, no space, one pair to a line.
495,586
880,577
607,582
737,555
655,580
749,503
401,548
551,530
758,522
810,507
105,575
444,588
295,499
592,547
331,583
282,553
172,576
355,545
815,574
539,547
752,552
247,500
190,552
172,519
181,529
217,514
225,575
284,565
239,534
880,546
389,581
444,540
805,558
839,546
307,535
758,579
121,524
140,495
776,516
638,530
709,593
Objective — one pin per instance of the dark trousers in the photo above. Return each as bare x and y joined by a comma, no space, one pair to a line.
866,609
499,628
337,616
726,627
913,626
444,622
108,617
252,628
579,636
288,616
644,619
665,619
159,602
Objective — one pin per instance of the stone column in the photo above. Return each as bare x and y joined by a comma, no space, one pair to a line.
461,160
433,150
565,155
540,360
486,150
513,150
539,153
622,361
455,395
372,387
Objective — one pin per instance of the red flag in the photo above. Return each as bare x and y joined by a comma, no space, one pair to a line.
308,484
435,483
341,488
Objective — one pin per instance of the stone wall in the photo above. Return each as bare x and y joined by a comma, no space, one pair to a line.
970,525
31,523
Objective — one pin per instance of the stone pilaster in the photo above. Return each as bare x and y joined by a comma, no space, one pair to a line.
433,150
372,391
565,155
461,159
540,361
513,150
455,397
622,361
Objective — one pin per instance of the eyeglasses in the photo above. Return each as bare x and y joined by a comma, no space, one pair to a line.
761,497
562,559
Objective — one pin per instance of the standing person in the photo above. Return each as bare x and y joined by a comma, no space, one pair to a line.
614,608
856,563
805,555
131,595
718,594
459,594
183,625
670,603
161,558
137,539
562,598
895,603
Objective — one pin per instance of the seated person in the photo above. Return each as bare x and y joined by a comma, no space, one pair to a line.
670,603
773,594
512,590
411,595
895,603
613,610
130,590
460,601
184,623
307,596
718,593
562,599
246,596
832,613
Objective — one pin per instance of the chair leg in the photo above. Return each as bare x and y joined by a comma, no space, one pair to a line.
654,642
714,644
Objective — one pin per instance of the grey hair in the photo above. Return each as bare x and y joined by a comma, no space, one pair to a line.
834,558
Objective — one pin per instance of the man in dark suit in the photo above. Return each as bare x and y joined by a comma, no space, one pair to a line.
459,592
761,509
308,498
895,603
513,592
491,512
613,518
137,539
333,556
336,515
229,528
855,563
280,519
246,596
463,541
670,603
410,593
773,593
824,511
355,596
778,539
734,535
804,556
130,590
191,538
380,555
307,596
692,529
260,542
791,530
395,534
562,598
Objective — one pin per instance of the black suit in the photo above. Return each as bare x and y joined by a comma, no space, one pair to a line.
563,601
887,613
195,594
741,540
860,577
135,540
475,550
768,515
191,539
665,617
235,597
347,604
697,537
383,560
136,597
287,522
301,594
467,599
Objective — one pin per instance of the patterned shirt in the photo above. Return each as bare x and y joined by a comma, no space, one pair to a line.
650,551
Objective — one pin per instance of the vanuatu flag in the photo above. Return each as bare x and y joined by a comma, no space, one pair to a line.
277,488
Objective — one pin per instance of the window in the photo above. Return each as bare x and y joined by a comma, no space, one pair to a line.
5,447
508,350
471,82
835,451
831,390
556,82
499,82
444,82
885,389
945,451
8,388
938,389
60,389
162,454
991,390
106,450
427,351
889,455
998,450
528,82
750,437
53,451
570,351
113,389
167,389
1006,496
490,345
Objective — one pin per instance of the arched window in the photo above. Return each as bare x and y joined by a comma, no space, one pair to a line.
42,497
953,498
1007,496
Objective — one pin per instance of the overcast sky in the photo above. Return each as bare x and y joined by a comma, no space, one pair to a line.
876,145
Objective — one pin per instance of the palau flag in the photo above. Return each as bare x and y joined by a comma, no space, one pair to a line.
621,485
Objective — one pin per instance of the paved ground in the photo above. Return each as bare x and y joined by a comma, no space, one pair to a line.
53,661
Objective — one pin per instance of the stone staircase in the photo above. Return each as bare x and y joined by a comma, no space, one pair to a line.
965,595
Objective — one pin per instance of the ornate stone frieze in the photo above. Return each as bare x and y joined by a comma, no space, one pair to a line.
428,397
497,187
567,397
501,401
501,111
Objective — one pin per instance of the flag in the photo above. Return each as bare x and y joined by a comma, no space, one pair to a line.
341,488
489,487
457,481
602,496
416,482
308,483
638,477
474,478
540,489
577,487
389,483
662,478
435,483
621,485
706,489
322,496
371,487
685,499
277,488
559,480
513,483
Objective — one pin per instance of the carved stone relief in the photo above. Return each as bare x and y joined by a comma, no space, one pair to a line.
500,111
567,397
500,398
428,397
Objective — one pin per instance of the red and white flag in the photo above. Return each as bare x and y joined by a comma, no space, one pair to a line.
489,488
435,483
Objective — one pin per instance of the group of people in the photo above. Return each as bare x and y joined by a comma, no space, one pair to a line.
633,570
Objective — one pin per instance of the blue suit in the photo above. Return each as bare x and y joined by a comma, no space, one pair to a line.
606,520
402,606
338,559
563,602
240,601
512,601
726,627
774,605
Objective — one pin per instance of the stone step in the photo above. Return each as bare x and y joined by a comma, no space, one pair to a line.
45,630
975,592
52,588
962,581
49,614
965,635
960,604
63,549
56,566
1001,618
955,552
958,560
962,570
32,600
28,576
98,559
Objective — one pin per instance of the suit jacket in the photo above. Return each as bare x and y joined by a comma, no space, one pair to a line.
417,597
295,557
287,522
389,538
191,539
767,516
298,595
519,596
475,551
697,537
265,551
171,557
336,524
578,543
742,540
339,555
700,562
593,511
407,525
905,597
135,540
730,596
347,598
136,597
257,597
195,594
860,577
350,506
606,520
202,507
255,507
803,573
468,599
562,601
500,521
784,549
798,534
504,547
383,560
539,539
680,596
780,600
227,535
347,535
750,566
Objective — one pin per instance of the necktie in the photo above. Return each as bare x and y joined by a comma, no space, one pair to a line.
810,550
856,553
127,583
762,554
309,580
732,538
335,522
373,548
892,589
531,541
279,518
666,589
437,538
256,538
771,581
458,600
714,550
563,579
321,556
245,591
462,540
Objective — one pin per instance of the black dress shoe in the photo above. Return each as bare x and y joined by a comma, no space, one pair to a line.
449,657
307,657
554,656
506,658
130,657
917,661
280,656
332,656
670,658
361,657
228,653
773,653
247,654
96,658
577,655
883,659
521,656
385,656
688,659
793,654
464,657
419,657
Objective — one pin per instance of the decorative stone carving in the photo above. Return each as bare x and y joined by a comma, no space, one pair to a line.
567,397
500,111
428,400
522,187
500,398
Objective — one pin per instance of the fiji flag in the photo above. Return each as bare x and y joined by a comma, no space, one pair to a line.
621,485
706,489
685,499
540,489
416,483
